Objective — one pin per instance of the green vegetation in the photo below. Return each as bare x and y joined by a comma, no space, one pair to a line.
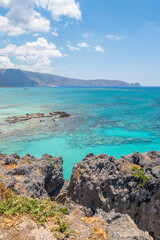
64,210
139,173
63,228
38,210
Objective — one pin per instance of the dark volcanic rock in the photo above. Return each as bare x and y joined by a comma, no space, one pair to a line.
122,227
32,177
108,183
25,117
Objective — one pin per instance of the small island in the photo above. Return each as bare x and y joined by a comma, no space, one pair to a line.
25,117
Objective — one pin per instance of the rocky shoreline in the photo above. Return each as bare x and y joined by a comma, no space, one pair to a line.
25,117
117,191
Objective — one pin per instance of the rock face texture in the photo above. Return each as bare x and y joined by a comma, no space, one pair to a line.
130,185
121,226
110,226
30,176
117,193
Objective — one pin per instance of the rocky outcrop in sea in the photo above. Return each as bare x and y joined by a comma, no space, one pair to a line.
118,191
25,117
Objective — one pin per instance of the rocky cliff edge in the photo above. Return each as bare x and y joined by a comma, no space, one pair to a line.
119,192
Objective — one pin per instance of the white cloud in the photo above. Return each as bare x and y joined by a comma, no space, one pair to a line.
59,8
22,17
36,35
34,55
19,21
83,45
54,33
66,24
6,27
85,35
5,3
5,62
72,48
113,37
28,19
99,49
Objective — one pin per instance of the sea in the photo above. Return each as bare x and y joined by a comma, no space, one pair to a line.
114,121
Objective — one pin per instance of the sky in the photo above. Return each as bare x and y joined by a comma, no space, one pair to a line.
84,39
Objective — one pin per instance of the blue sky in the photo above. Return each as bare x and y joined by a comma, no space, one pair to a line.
86,39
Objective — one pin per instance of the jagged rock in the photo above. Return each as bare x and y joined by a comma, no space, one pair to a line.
61,193
108,183
32,177
122,227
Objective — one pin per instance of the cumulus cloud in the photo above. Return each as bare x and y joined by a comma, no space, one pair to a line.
32,55
99,49
6,27
113,37
5,62
83,45
19,21
28,19
59,8
22,17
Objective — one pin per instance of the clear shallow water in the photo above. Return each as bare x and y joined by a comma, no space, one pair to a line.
112,121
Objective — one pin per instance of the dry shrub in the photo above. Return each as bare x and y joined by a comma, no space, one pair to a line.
99,233
91,220
4,192
12,166
101,155
127,167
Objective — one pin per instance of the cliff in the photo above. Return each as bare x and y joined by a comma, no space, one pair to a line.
106,197
19,78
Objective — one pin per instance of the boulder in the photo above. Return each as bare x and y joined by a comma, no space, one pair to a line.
32,177
122,227
130,185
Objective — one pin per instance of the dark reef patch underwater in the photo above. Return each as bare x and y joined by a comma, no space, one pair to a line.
112,121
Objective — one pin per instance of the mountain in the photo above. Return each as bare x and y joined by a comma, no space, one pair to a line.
19,78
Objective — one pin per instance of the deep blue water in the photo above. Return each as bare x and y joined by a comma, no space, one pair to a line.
112,121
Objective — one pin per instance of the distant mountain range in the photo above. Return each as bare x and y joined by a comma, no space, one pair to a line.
19,78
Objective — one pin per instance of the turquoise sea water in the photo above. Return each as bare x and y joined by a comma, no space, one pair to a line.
112,121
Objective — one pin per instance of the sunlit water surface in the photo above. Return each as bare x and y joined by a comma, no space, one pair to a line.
112,121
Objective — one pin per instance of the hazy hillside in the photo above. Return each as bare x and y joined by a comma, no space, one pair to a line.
19,78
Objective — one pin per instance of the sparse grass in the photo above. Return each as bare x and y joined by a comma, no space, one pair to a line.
39,210
63,228
139,174
64,210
